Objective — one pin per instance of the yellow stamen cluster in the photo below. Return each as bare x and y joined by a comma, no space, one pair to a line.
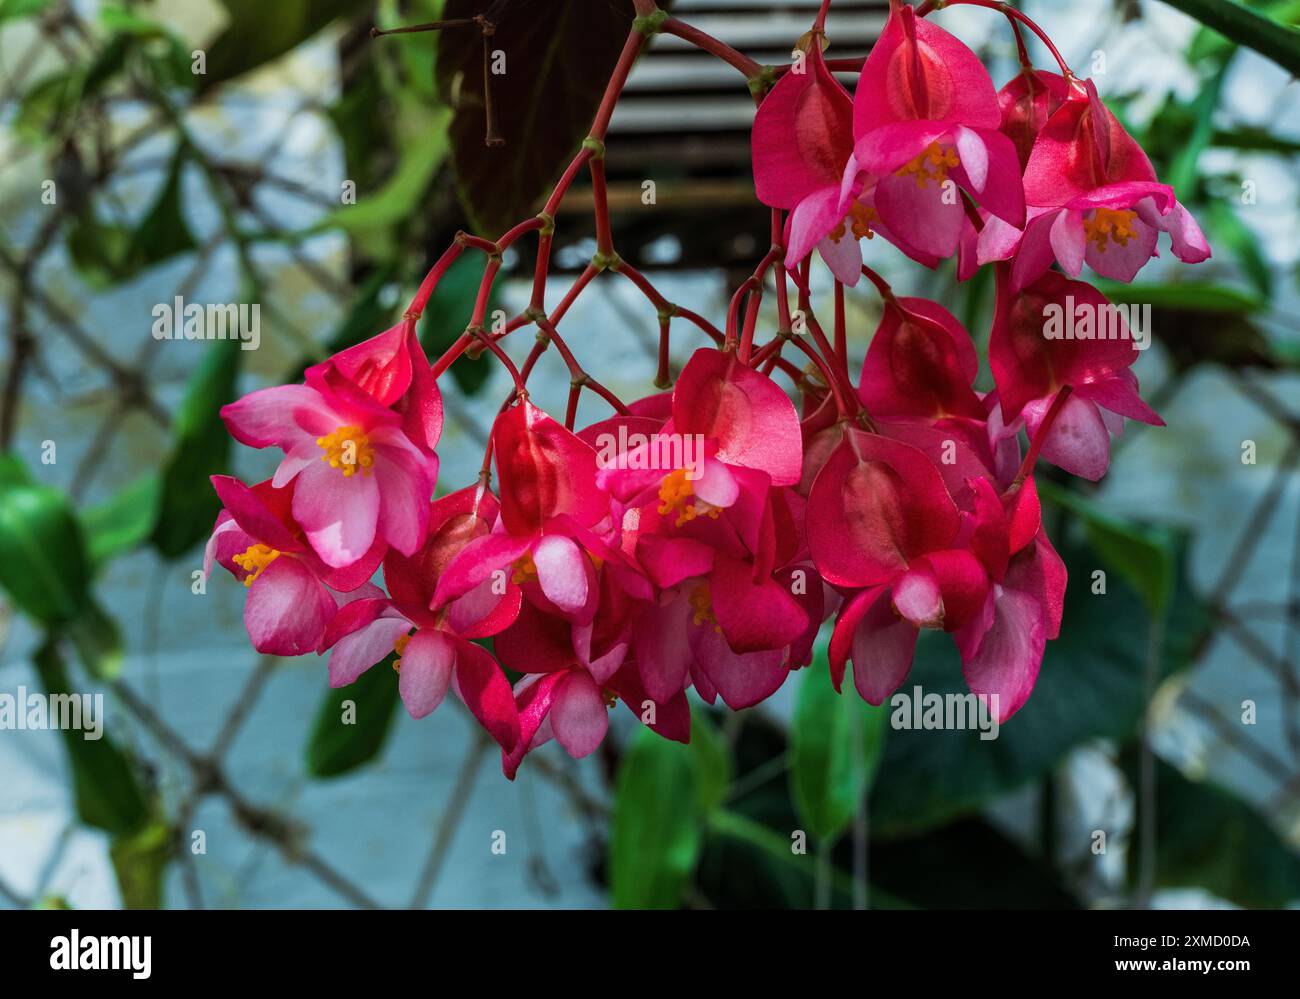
254,559
399,646
525,570
933,164
702,604
347,449
860,217
1109,224
675,494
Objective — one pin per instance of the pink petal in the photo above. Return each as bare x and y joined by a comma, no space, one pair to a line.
425,672
339,514
562,571
287,609
579,717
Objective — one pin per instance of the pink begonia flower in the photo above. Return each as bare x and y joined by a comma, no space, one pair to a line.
750,438
1031,367
920,365
568,706
925,123
1093,197
392,369
544,540
357,474
802,138
292,594
1027,101
434,645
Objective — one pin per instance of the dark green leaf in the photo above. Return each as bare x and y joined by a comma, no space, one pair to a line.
1184,296
107,253
258,33
749,865
108,792
188,505
1279,42
1145,557
655,829
449,311
1090,687
1211,839
44,569
98,641
344,738
968,865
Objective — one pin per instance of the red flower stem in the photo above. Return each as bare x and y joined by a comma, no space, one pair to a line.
886,292
504,358
1021,51
664,374
571,411
1011,13
755,300
849,65
647,288
708,43
841,330
485,291
600,199
584,279
733,311
842,403
1036,445
421,299
577,375
540,271
820,23
631,49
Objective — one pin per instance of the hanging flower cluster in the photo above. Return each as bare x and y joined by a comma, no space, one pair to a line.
700,537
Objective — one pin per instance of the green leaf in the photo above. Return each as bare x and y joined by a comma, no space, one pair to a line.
123,522
188,504
1090,687
375,217
258,33
107,253
767,872
449,311
1184,296
21,8
1229,230
655,830
107,790
1279,42
831,764
1209,838
346,737
713,761
98,641
44,569
140,862
1145,557
1183,174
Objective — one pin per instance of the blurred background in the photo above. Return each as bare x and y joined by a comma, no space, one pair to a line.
231,151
